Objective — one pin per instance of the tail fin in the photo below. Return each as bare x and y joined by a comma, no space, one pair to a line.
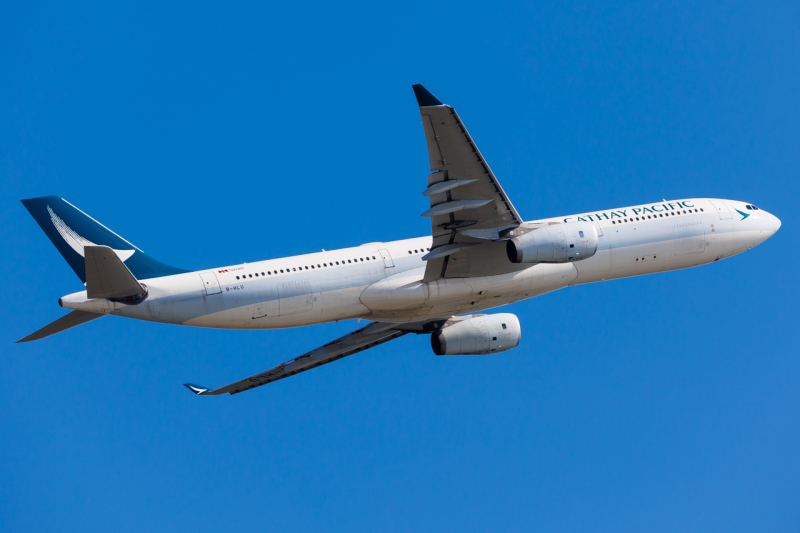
70,230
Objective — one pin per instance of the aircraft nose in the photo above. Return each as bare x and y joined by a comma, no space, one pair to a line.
772,223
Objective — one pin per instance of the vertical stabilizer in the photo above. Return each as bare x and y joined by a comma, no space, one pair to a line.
71,231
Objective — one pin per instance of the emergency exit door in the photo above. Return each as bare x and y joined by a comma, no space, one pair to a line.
210,283
722,209
387,259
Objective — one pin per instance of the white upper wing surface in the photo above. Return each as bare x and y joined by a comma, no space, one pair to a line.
468,205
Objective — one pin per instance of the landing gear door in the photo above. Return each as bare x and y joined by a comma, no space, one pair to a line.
210,283
387,259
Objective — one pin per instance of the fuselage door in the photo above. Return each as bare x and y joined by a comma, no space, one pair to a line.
387,259
210,283
722,209
295,297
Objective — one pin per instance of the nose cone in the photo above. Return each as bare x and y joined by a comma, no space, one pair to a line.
771,223
768,224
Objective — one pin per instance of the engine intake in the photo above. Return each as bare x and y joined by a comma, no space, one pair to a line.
559,243
478,335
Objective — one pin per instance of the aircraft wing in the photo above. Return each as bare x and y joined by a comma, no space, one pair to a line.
362,339
468,205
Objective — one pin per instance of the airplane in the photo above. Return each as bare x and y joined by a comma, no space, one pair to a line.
481,254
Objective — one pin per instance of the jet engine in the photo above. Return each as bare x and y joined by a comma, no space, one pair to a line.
478,335
559,243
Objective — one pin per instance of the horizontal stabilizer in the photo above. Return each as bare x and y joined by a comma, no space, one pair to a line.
75,318
107,276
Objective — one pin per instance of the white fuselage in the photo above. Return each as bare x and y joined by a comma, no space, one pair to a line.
383,281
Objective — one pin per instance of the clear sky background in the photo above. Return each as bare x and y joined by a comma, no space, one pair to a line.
210,134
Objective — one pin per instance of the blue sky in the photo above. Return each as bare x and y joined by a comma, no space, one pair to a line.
210,134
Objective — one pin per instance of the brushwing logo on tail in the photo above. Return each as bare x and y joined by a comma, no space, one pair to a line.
77,242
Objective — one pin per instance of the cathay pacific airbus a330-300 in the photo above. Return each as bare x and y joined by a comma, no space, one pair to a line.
480,255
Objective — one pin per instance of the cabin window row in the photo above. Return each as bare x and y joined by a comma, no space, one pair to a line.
313,267
419,251
660,215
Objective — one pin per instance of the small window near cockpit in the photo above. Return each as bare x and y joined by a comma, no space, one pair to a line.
581,233
504,326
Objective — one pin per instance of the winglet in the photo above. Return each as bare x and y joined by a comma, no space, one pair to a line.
197,389
425,98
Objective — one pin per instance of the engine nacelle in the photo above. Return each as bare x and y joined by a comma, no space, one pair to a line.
479,335
559,243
